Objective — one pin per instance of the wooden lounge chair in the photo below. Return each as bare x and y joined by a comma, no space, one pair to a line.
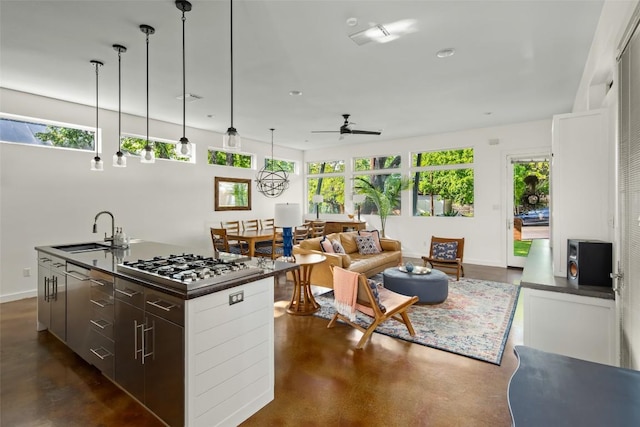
451,263
395,307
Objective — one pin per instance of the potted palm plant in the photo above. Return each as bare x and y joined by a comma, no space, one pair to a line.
385,196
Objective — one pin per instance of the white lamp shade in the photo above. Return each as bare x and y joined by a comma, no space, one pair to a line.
317,198
359,198
287,215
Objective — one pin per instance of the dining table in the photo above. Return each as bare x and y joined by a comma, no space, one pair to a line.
251,237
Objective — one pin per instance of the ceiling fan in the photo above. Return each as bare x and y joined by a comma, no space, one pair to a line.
346,129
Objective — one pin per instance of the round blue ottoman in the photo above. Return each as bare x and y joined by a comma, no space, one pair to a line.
431,288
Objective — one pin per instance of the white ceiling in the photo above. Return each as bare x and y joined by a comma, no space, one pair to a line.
518,60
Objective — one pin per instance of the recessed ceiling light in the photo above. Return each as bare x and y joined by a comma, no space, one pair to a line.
211,116
445,53
295,93
352,22
190,97
487,113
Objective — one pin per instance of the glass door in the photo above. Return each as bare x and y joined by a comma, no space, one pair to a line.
528,215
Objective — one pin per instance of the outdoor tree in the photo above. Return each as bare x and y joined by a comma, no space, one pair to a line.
67,137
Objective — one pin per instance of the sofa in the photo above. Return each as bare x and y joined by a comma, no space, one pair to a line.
371,264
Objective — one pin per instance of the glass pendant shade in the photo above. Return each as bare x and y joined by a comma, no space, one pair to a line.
119,160
148,155
185,147
231,140
97,165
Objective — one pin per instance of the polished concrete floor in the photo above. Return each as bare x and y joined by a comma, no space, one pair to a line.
320,379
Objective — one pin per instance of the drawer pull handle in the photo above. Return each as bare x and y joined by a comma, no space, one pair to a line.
128,292
100,282
102,324
100,303
159,304
101,352
82,279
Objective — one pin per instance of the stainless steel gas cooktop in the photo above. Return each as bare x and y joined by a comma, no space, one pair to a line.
188,270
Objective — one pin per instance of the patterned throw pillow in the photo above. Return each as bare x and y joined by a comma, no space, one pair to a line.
374,290
445,251
327,246
376,237
366,245
337,247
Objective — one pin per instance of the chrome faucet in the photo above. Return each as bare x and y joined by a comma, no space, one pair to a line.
113,228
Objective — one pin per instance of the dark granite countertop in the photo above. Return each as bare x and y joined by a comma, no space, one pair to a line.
106,261
538,274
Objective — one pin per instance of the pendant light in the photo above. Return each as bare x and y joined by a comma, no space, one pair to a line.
96,163
231,139
119,160
185,147
272,179
148,155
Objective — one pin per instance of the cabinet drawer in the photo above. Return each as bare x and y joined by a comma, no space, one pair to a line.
101,353
165,306
129,292
101,281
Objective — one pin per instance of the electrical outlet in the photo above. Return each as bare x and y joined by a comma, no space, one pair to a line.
26,272
236,297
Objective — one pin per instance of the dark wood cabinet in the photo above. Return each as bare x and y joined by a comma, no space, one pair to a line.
341,226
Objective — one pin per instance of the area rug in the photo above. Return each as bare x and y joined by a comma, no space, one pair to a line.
474,321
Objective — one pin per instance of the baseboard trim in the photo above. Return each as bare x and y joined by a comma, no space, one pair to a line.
17,296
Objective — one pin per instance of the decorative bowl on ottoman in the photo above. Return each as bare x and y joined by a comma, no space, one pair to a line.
430,288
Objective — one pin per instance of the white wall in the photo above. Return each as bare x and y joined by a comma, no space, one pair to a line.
50,196
485,233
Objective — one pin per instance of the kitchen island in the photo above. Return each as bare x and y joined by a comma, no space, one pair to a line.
196,351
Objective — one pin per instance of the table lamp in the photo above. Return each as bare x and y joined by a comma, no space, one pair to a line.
317,199
359,199
287,216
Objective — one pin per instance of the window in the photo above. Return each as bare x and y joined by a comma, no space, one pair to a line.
285,165
391,185
326,179
443,183
223,158
376,163
21,130
133,145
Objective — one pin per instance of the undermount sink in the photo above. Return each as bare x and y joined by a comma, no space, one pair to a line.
83,247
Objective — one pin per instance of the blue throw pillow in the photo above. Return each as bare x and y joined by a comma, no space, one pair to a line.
446,251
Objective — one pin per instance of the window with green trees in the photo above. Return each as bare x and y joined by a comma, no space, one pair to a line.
443,183
163,150
225,158
36,132
283,164
376,163
327,179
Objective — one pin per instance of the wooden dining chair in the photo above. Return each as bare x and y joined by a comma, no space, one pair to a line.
446,253
267,224
272,249
380,304
251,225
317,229
219,239
300,233
235,246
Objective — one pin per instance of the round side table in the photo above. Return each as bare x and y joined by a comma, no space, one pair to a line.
302,301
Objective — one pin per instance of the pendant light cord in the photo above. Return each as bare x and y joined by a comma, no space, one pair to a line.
147,89
119,99
97,65
231,31
184,84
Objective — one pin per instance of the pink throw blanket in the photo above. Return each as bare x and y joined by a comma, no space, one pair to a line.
345,291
